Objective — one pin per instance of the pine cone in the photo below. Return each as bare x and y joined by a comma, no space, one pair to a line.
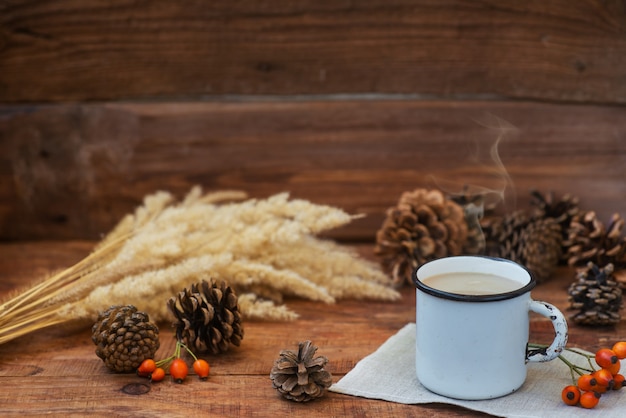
124,338
596,295
300,376
207,317
532,242
589,240
424,226
562,211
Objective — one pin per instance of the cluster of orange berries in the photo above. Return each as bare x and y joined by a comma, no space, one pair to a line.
177,367
592,383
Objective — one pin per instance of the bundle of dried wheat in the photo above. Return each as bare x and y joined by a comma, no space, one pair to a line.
266,249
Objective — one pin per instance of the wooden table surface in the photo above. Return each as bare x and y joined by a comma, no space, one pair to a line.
56,371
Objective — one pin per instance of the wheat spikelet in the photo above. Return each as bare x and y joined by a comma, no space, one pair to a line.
264,309
332,266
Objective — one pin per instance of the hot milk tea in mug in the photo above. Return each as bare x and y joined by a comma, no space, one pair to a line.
472,324
471,283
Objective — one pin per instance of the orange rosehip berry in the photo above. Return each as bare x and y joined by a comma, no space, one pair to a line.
620,349
202,368
618,381
179,370
603,377
601,389
605,357
589,399
570,395
587,382
146,367
614,368
157,375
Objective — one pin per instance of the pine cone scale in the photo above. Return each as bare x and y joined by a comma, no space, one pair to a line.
289,384
205,316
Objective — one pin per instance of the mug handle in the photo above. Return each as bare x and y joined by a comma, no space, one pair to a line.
560,328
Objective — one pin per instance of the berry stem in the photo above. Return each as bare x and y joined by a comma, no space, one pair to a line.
177,353
188,350
572,367
587,356
164,362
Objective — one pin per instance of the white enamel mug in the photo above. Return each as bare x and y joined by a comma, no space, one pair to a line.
475,346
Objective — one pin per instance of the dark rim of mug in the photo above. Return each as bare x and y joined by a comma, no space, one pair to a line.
475,298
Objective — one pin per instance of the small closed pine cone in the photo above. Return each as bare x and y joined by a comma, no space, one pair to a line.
596,296
299,376
124,338
207,317
589,239
423,226
532,242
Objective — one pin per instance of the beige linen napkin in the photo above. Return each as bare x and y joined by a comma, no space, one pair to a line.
389,374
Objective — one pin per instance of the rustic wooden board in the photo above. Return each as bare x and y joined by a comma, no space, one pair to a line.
72,171
229,396
56,371
75,50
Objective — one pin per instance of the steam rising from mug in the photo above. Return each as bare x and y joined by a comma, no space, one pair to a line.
496,185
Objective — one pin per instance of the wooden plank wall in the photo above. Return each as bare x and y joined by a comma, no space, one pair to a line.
340,102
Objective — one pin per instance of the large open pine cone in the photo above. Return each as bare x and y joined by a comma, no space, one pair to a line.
124,337
425,225
207,317
300,376
532,242
589,239
596,296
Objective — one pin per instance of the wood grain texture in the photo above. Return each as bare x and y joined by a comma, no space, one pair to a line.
56,371
72,171
77,50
